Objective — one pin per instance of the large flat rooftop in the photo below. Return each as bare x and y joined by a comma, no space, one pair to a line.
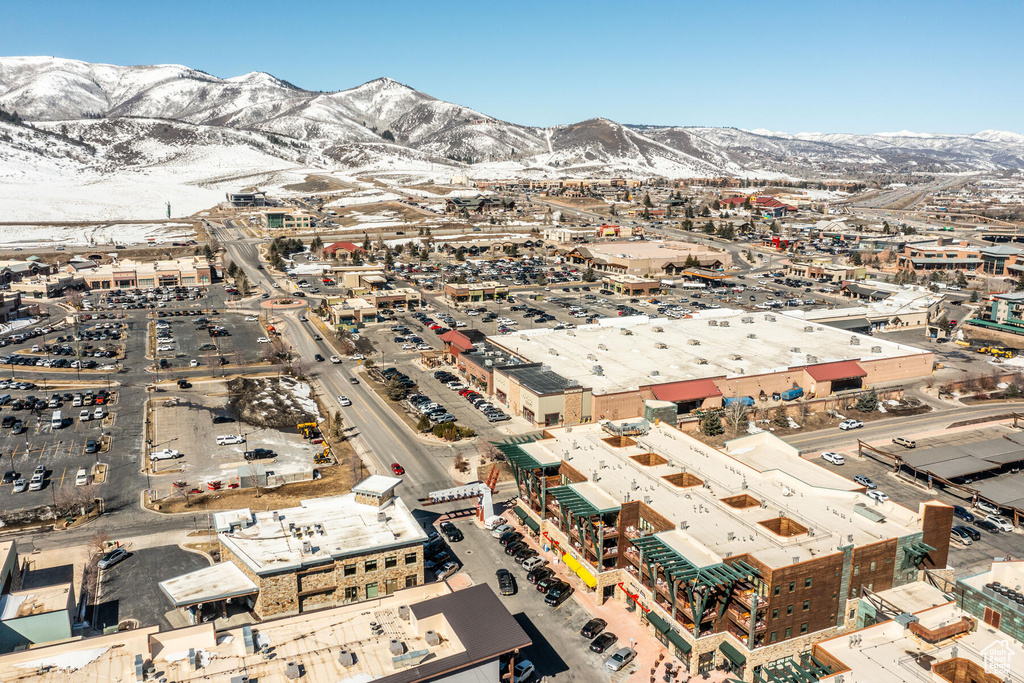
473,625
637,351
727,503
334,527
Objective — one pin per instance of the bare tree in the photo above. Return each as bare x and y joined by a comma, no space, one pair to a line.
68,500
736,415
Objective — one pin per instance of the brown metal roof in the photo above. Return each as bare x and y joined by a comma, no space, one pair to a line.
480,621
830,372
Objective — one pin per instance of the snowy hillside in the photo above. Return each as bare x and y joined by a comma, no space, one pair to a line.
201,132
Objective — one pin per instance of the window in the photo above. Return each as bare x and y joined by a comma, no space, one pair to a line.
371,590
350,570
872,565
410,558
789,610
853,592
778,589
410,581
856,570
789,631
853,615
370,566
390,562
775,613
351,593
773,637
792,586
807,582
807,605
803,627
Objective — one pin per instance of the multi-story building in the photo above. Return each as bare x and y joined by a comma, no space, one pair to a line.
287,220
648,258
1001,313
330,551
130,274
1000,260
736,557
477,291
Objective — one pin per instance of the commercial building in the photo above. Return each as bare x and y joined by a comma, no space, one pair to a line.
476,291
418,635
287,220
647,258
130,274
330,551
246,199
972,637
884,308
1001,313
16,271
736,557
1000,260
358,310
611,369
630,285
822,269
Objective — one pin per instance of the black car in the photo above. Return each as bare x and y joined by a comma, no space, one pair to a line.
603,642
506,584
963,513
258,453
513,548
451,532
221,419
10,476
8,422
524,554
539,574
593,627
557,594
545,584
510,537
319,358
987,526
973,533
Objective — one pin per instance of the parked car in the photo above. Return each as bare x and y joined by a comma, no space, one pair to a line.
91,446
506,584
999,522
985,506
510,537
620,658
833,457
531,563
501,530
906,443
82,477
592,628
523,671
558,594
113,557
959,535
20,485
963,513
603,642
850,424
524,554
865,481
987,526
537,575
513,548
451,532
970,531
164,454
878,496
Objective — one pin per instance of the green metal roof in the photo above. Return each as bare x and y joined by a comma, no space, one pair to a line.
677,640
997,326
518,456
577,503
732,654
788,670
678,567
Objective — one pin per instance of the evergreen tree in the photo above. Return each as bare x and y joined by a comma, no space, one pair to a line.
867,401
647,201
366,242
779,418
711,425
460,254
588,275
856,259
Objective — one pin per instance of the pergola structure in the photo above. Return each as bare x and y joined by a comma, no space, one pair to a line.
525,469
789,670
699,583
575,510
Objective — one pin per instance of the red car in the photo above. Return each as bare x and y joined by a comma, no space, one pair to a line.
397,469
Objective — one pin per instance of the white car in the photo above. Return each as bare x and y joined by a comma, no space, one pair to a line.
523,672
251,318
878,496
986,506
357,356
424,347
335,359
408,347
193,363
850,424
262,340
344,400
230,439
1000,522
833,457
81,478
164,454
165,347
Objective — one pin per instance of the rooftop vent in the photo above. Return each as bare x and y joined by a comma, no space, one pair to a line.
693,342
346,658
700,361
747,319
597,370
735,356
553,352
658,329
591,356
854,341
660,345
396,647
751,336
655,373
876,349
794,349
770,318
293,671
432,638
307,548
808,328
404,612
812,359
712,323
724,323
382,516
625,330
602,347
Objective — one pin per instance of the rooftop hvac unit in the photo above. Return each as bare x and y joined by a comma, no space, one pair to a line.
700,361
625,330
602,347
808,328
693,342
404,612
712,323
655,373
660,345
545,368
731,536
854,341
591,356
876,349
735,356
770,318
746,319
724,323
292,671
553,352
382,516
812,359
658,329
432,638
488,362
794,349
751,336
647,500
307,548
346,658
396,647
597,370
684,525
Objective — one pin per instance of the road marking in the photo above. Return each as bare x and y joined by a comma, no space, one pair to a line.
62,476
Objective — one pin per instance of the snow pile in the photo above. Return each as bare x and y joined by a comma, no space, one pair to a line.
67,661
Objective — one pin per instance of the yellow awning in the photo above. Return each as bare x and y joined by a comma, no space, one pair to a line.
580,570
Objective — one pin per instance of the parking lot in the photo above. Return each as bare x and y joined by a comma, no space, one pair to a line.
204,337
183,421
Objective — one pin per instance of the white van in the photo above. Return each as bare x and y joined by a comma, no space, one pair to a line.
229,439
57,421
99,413
494,521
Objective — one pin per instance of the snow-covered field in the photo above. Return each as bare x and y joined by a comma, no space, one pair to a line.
43,236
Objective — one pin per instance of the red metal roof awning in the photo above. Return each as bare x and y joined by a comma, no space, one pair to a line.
687,390
830,372
457,339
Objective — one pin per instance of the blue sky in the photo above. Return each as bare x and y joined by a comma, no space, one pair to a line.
942,66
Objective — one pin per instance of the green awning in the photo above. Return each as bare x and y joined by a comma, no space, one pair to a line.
732,654
530,522
657,622
681,643
521,514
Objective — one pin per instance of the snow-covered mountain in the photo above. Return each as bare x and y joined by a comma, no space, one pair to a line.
131,117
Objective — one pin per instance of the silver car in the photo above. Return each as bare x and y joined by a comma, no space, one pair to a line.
620,658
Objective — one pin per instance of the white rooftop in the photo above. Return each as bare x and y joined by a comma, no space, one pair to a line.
26,603
216,582
762,466
377,484
629,361
334,527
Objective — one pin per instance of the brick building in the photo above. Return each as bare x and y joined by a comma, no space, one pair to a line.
735,557
330,551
